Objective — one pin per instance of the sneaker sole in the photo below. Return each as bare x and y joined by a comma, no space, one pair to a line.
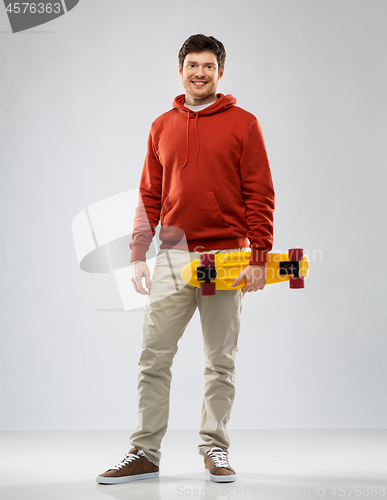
126,479
221,479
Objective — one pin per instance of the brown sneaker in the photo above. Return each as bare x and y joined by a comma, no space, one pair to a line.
133,467
217,466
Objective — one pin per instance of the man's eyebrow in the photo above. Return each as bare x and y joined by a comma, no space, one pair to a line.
195,62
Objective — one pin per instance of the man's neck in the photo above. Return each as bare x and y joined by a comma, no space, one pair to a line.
192,101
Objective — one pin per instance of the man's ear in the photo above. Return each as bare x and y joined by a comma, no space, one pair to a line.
180,71
221,73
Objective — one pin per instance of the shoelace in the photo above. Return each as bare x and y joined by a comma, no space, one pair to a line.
129,457
219,457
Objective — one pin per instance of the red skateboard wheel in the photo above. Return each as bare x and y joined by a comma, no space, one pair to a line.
296,254
206,259
296,282
207,288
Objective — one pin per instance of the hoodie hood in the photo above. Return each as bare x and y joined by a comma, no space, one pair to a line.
223,103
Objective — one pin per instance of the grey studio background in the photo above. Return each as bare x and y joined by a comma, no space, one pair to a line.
78,96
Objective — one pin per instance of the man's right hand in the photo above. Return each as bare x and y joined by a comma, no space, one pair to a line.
140,270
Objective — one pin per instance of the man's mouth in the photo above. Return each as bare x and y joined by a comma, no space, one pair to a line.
199,83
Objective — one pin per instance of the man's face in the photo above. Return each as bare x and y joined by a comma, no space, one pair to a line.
200,76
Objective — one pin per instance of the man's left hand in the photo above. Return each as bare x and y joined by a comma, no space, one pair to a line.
255,277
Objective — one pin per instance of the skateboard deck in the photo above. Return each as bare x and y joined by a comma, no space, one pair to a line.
218,271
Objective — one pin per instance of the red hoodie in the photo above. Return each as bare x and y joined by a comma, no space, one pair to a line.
206,174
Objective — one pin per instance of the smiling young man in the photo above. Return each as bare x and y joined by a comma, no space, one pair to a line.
207,177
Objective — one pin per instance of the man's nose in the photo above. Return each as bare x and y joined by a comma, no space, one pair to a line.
199,72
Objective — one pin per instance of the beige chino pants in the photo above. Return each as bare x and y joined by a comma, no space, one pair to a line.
169,308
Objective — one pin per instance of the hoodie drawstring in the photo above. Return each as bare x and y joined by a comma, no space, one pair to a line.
186,160
196,136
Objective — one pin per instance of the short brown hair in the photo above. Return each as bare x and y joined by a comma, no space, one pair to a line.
201,43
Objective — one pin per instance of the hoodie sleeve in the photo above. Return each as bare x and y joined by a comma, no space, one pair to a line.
258,191
147,213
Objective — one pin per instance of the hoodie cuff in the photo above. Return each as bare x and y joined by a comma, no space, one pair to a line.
258,257
138,252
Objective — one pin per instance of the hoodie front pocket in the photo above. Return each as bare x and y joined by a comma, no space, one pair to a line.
196,213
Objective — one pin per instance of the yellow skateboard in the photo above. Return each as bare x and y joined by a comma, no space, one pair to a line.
217,272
